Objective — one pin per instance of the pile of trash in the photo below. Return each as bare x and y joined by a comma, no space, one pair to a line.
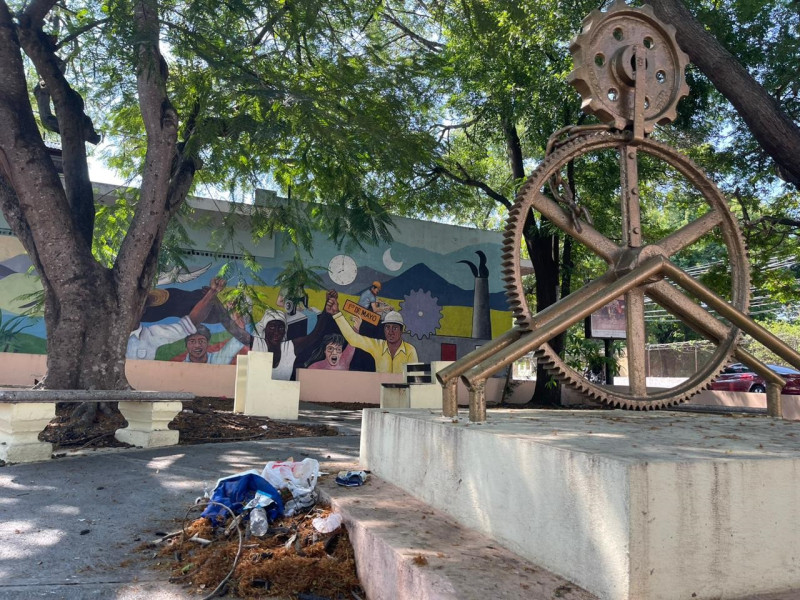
264,534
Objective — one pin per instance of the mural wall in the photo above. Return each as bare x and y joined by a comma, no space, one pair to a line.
434,293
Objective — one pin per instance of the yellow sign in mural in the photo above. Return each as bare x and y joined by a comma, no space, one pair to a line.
359,311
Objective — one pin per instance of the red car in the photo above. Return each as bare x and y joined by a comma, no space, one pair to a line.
740,378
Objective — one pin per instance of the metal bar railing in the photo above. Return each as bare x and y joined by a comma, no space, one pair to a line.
560,320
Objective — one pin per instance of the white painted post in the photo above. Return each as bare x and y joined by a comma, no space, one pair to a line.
20,426
266,397
147,423
240,386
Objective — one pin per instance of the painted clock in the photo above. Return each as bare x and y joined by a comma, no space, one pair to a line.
342,269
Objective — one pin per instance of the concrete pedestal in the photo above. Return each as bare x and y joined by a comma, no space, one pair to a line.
394,395
258,395
20,426
147,423
630,506
425,396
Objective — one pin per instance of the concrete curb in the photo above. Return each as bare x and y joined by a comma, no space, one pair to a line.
408,551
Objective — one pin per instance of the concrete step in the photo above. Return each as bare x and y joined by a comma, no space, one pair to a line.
405,550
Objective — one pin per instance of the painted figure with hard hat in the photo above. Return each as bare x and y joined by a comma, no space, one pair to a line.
270,336
390,354
369,299
144,341
197,348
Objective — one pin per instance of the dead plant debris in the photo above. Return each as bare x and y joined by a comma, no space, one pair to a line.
202,420
292,560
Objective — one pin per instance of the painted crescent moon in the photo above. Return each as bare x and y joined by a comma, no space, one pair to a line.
391,263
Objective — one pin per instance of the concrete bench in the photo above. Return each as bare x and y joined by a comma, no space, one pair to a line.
25,413
420,390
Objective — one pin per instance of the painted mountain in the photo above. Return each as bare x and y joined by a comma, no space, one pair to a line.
17,264
421,277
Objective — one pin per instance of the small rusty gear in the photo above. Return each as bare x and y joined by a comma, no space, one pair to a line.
533,195
604,75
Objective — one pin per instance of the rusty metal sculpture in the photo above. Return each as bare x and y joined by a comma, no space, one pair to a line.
629,72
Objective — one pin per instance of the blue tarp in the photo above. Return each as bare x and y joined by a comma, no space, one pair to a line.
236,491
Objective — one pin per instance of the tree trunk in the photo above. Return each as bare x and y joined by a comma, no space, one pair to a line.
90,310
543,250
87,335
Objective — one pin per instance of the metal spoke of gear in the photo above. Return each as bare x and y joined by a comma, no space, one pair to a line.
625,257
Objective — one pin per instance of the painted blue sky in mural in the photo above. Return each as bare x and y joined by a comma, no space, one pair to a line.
372,264
19,265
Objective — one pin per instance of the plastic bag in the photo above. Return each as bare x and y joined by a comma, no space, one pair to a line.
260,500
300,478
238,490
327,524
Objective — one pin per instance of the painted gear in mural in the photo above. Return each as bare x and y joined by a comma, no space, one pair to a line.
604,72
534,194
421,314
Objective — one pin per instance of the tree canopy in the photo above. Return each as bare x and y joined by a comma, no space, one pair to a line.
306,94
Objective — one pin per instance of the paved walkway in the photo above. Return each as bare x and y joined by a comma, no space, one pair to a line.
69,527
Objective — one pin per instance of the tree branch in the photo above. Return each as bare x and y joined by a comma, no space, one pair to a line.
71,122
181,183
772,220
80,31
268,26
776,133
34,201
514,152
135,265
444,129
34,14
429,44
469,181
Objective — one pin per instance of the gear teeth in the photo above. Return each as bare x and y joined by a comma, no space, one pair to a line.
578,80
522,313
521,193
595,75
646,8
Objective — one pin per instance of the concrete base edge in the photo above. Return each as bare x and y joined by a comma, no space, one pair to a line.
406,550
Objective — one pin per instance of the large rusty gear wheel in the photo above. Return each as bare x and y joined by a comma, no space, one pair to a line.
605,74
534,195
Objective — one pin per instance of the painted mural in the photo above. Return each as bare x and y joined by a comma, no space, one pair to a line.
433,294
